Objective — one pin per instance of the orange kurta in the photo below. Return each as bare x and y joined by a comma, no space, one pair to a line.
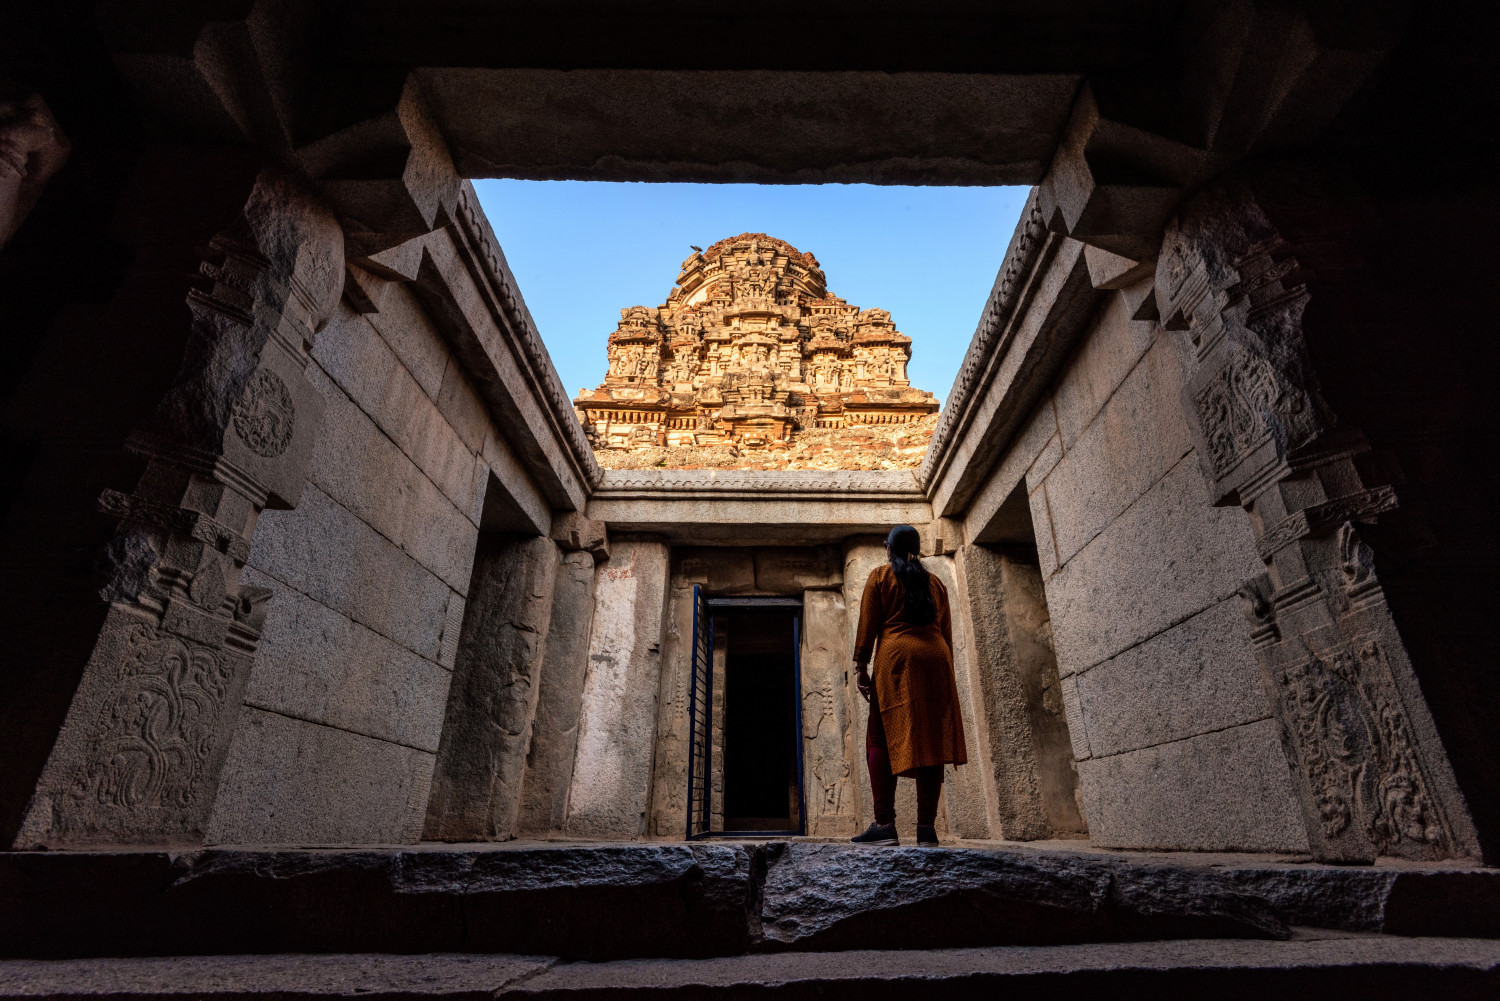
915,692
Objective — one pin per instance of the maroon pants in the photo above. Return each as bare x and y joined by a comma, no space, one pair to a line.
883,782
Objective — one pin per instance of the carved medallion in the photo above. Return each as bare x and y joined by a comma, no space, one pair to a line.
266,418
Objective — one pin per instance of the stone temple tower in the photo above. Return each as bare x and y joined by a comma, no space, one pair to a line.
750,350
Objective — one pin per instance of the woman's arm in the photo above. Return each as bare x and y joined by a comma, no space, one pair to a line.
871,618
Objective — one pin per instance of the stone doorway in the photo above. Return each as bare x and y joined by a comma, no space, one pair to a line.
757,764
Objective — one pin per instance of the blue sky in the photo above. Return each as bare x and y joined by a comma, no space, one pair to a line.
584,250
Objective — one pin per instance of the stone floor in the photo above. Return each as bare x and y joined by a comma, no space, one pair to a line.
1332,965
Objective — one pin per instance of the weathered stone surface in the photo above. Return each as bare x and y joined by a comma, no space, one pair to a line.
965,796
318,665
1373,968
554,731
1166,558
1196,677
721,570
1223,791
1105,358
833,897
1002,728
288,781
487,726
330,555
1135,438
829,756
585,902
617,731
573,532
364,365
1023,454
594,902
462,408
749,350
861,555
365,472
670,762
224,977
787,570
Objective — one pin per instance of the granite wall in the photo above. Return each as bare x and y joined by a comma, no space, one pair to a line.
342,716
1173,733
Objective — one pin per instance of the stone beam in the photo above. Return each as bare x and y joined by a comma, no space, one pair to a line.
468,289
751,126
1040,303
767,508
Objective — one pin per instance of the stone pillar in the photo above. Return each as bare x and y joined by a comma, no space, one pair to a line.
1017,671
669,767
1371,773
554,732
829,760
966,789
617,731
138,755
862,553
476,783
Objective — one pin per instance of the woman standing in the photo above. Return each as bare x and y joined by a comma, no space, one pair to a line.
915,727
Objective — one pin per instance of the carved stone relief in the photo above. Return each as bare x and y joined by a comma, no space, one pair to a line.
138,757
1372,775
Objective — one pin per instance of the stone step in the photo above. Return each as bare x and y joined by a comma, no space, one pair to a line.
610,901
1365,967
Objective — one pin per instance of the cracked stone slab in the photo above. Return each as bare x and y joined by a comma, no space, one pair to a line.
838,897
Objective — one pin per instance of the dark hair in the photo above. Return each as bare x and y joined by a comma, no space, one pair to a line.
905,547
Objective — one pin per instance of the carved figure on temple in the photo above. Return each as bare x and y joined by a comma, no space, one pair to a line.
751,315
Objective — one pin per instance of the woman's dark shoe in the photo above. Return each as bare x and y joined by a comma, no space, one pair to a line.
878,834
927,836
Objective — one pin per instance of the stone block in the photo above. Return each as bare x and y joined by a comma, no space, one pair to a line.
829,756
830,897
330,555
476,788
374,377
1225,791
1108,353
1137,436
512,501
1168,557
554,731
288,781
453,621
1041,522
721,570
404,325
1035,437
318,665
357,465
462,408
575,533
792,570
1198,676
617,730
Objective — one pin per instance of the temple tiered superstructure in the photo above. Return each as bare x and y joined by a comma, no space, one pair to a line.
749,349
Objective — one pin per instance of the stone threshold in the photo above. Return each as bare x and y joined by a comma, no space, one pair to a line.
604,901
1367,967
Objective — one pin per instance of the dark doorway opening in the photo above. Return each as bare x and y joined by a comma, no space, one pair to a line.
759,715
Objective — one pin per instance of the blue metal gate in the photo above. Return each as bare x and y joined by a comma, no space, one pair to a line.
700,718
